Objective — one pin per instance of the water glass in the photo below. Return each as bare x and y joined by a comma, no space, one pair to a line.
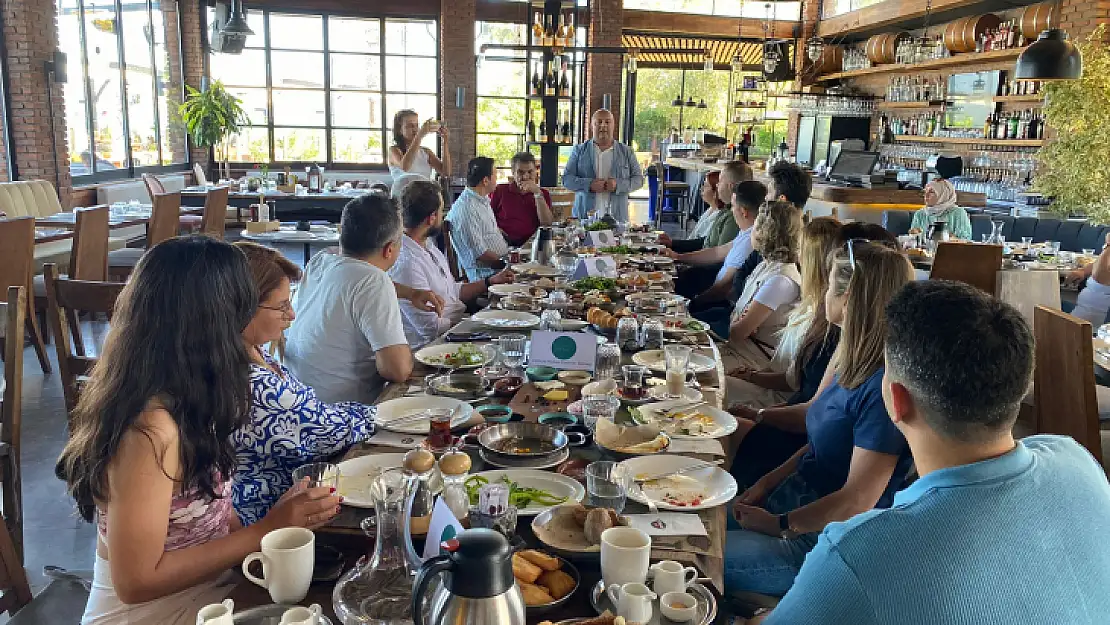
628,334
598,406
1026,242
652,334
607,484
551,320
1088,252
678,307
512,349
318,474
608,364
1052,248
678,362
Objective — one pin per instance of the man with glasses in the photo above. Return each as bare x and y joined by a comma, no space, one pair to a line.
520,205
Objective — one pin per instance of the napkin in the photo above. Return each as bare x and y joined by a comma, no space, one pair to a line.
626,438
395,439
708,446
668,524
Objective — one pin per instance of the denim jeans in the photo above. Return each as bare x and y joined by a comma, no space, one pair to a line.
763,564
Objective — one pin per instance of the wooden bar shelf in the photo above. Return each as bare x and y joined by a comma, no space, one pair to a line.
911,105
968,58
1017,143
1036,97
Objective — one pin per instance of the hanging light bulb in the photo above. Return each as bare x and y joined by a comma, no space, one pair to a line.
708,64
702,104
632,54
690,102
737,63
815,46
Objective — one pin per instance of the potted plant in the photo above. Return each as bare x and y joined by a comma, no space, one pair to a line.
1070,166
212,117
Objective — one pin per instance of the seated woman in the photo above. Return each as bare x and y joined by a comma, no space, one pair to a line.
150,456
770,293
855,458
289,426
705,222
940,205
407,156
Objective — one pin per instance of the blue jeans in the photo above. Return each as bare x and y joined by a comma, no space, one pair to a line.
763,564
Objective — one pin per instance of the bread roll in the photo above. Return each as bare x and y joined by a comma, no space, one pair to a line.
524,570
580,513
597,521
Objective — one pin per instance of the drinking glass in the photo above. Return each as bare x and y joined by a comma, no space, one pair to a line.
628,334
1088,252
512,349
678,307
678,363
1052,248
439,429
608,362
633,384
551,320
607,484
318,474
598,406
1026,242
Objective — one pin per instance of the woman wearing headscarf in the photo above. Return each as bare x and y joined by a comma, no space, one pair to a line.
940,205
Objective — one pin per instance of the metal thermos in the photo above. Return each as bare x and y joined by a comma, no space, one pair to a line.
543,246
478,585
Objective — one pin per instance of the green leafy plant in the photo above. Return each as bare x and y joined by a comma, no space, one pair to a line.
212,117
1070,166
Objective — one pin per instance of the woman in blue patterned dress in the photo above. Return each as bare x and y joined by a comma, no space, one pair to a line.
289,426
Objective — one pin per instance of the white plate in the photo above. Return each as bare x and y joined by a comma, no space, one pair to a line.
653,359
536,269
356,475
714,484
546,462
684,330
508,289
432,355
725,422
572,325
405,406
659,394
507,319
554,483
632,298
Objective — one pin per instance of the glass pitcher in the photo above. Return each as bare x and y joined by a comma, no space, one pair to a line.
996,237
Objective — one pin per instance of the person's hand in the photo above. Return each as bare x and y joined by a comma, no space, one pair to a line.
665,239
426,128
530,187
757,519
757,492
669,253
302,507
443,133
611,185
505,276
597,186
743,412
426,300
1076,277
742,372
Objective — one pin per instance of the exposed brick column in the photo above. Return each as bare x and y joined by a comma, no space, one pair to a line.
1080,17
810,17
603,71
174,92
457,69
192,49
31,36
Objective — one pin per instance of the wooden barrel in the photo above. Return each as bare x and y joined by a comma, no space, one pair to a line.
890,45
873,49
953,33
831,60
881,48
1035,18
975,26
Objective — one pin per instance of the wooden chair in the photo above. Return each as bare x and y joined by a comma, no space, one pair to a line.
154,186
562,202
17,239
449,251
1064,378
11,505
67,298
162,225
199,177
974,264
215,213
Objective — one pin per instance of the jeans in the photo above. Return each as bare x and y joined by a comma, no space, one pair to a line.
763,564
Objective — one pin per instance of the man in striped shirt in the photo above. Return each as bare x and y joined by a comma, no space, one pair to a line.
478,243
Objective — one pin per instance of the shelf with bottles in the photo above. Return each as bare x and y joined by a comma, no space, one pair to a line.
1036,98
1027,143
886,106
554,81
956,60
550,33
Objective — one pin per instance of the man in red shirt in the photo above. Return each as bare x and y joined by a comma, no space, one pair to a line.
520,205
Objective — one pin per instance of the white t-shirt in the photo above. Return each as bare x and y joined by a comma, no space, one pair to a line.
604,160
777,291
705,222
739,252
346,311
425,267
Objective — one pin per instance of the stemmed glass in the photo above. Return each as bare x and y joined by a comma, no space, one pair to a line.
512,350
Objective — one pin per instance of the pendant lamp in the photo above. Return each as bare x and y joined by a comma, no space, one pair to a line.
1050,57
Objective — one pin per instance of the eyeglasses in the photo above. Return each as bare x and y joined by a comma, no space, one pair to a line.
851,251
286,308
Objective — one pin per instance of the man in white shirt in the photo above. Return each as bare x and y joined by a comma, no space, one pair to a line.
602,171
348,338
422,265
478,243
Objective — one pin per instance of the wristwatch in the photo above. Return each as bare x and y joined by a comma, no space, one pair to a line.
785,530
759,416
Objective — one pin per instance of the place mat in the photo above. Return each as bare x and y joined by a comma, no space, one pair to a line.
668,524
530,403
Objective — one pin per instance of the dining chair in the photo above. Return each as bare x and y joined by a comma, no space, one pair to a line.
11,504
162,225
154,186
449,251
199,177
215,213
562,202
17,239
970,263
67,298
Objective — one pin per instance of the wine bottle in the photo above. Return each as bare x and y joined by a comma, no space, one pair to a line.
564,84
537,29
543,131
549,82
549,32
537,85
988,127
1012,130
561,32
566,130
532,130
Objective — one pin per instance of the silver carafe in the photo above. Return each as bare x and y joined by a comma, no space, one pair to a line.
543,246
478,587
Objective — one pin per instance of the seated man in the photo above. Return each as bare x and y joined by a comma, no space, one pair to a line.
719,226
520,205
421,265
480,246
348,338
994,531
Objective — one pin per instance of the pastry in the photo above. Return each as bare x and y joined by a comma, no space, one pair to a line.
557,583
524,570
542,560
534,595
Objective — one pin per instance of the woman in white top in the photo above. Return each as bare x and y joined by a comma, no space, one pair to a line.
407,156
771,291
716,205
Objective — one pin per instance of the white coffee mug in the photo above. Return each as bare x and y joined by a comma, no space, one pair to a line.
287,556
301,616
625,552
634,601
670,576
217,613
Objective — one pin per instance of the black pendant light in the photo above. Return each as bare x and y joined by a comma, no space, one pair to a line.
237,23
1050,57
677,100
702,104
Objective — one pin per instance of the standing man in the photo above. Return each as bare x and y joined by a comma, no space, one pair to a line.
478,243
602,172
520,205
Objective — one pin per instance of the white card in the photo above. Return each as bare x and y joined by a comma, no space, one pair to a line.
601,238
444,526
601,266
708,446
668,524
386,438
571,351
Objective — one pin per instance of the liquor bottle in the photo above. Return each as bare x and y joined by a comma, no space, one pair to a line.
1012,130
1040,126
566,130
549,81
558,131
571,34
537,29
532,130
564,84
315,184
1023,125
543,131
549,32
1011,34
561,32
988,127
537,84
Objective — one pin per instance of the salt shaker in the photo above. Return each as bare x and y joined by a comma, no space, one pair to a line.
455,467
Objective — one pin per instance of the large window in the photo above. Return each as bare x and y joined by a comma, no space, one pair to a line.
655,113
124,87
324,88
786,10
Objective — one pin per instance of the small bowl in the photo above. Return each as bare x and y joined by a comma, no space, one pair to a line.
577,378
508,386
601,387
542,374
582,429
495,413
683,614
557,420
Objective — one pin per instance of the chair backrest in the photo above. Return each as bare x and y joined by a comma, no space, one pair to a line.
199,176
164,218
65,299
215,212
89,259
977,265
1064,378
11,415
897,222
17,239
154,186
449,251
36,198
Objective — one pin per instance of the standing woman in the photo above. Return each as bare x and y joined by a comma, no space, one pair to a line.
150,456
407,156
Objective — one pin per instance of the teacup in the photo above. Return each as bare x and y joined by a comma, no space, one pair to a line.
301,616
217,613
287,556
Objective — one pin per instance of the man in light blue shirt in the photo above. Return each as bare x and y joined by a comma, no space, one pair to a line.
602,172
993,531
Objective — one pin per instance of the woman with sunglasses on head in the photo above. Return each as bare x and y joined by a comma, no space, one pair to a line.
289,426
855,458
150,456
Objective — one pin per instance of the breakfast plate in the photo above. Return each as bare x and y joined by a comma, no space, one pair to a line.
507,319
402,408
536,269
653,359
453,356
549,482
697,423
357,474
699,489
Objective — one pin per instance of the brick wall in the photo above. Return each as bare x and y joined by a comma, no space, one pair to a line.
603,71
193,58
1080,17
457,69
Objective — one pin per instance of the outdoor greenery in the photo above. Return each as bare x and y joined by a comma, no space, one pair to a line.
212,117
1078,114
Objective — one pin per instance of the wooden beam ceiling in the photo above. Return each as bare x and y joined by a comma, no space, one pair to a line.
704,25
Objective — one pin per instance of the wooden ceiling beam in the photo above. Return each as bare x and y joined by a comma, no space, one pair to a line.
702,25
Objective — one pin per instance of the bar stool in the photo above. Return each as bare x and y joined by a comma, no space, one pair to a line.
677,190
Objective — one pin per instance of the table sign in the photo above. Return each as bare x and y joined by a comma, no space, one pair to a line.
563,350
668,524
601,238
601,266
443,527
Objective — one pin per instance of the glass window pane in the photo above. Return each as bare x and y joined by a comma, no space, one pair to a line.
300,32
252,145
424,105
348,34
298,108
168,75
356,110
700,7
241,70
503,78
299,144
356,71
498,147
500,33
297,69
411,37
104,77
254,103
142,112
77,123
415,75
501,115
357,146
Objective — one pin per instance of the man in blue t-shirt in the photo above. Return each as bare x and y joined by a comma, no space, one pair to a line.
994,531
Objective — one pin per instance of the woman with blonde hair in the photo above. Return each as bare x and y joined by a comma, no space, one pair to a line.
855,458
